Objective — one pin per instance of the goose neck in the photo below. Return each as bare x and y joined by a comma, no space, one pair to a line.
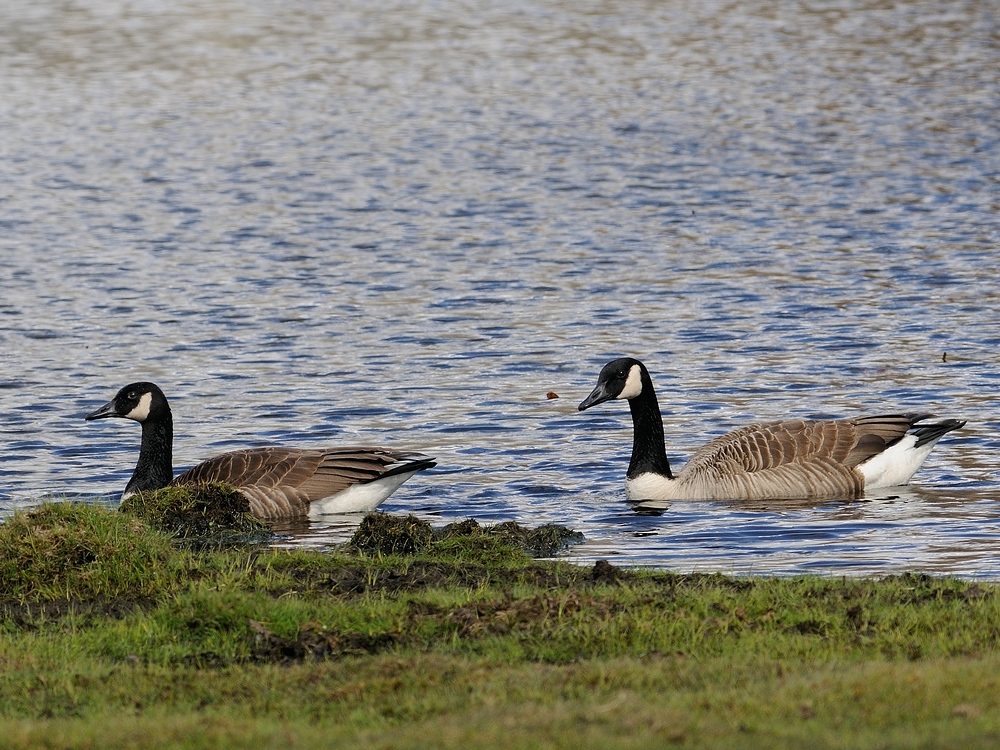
648,451
155,467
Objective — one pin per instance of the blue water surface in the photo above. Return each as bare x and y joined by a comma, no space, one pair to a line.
407,223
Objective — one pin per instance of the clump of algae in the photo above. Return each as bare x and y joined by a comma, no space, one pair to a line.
207,514
542,541
385,534
382,533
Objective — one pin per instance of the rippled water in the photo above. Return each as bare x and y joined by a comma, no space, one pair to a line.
405,223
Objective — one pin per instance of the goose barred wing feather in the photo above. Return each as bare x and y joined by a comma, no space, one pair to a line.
779,459
284,481
340,468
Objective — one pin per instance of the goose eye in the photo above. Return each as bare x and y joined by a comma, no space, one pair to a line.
131,394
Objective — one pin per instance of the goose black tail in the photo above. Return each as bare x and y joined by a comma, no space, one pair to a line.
417,465
928,433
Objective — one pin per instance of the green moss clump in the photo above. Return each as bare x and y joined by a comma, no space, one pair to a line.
468,527
212,513
384,534
543,541
79,552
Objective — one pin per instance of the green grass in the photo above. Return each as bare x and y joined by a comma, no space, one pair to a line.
469,643
61,551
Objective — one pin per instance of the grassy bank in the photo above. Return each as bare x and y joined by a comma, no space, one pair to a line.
112,635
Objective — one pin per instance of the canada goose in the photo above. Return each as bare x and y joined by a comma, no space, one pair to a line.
278,482
788,459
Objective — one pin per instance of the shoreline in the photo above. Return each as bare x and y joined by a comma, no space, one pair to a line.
469,642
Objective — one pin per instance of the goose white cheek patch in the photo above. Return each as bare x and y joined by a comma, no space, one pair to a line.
633,385
141,411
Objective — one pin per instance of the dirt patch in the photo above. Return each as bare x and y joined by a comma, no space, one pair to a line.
509,614
605,572
314,642
347,578
420,575
29,616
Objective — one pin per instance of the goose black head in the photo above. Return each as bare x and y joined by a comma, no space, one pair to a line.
138,401
620,378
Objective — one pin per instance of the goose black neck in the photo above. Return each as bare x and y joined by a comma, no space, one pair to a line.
155,467
648,452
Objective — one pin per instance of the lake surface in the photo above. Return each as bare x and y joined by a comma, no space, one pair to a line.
405,223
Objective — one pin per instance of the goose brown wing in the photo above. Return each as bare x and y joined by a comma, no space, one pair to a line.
339,468
283,481
267,467
783,458
875,434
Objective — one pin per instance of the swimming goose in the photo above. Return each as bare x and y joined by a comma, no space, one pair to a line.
788,459
278,482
